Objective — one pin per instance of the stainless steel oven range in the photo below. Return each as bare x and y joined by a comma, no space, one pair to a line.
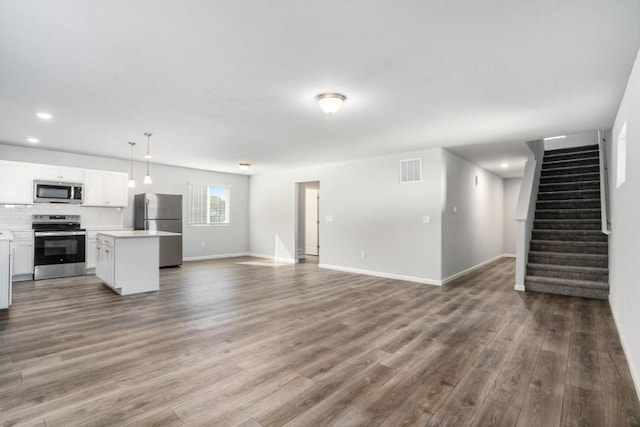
59,249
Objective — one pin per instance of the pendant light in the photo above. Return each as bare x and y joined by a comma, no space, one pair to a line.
147,177
132,182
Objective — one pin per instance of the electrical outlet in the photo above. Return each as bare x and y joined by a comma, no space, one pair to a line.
363,254
426,219
455,209
202,244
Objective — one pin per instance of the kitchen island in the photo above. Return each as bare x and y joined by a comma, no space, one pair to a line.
128,261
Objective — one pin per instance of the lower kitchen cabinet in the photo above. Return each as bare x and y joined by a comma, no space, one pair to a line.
128,265
23,255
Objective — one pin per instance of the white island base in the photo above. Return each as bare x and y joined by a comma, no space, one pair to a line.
128,262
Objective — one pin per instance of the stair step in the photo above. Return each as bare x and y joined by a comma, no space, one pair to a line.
589,147
574,177
578,288
566,186
570,170
568,213
569,195
567,224
569,204
563,258
558,246
593,274
569,235
571,155
584,161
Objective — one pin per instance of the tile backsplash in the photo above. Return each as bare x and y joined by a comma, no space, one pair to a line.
19,216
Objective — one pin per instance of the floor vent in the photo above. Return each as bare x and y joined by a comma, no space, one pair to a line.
411,170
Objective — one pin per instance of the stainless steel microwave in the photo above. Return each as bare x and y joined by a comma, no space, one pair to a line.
57,192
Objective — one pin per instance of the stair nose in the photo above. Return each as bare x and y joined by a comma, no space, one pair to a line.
600,248
578,288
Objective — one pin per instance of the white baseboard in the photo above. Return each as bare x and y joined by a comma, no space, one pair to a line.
634,376
414,279
518,287
275,259
205,257
470,269
508,255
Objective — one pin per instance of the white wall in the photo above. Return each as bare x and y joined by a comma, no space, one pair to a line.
371,210
573,140
473,234
624,243
218,240
511,189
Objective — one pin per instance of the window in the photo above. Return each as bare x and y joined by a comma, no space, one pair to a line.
209,204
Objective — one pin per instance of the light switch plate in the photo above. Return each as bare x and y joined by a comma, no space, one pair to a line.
426,219
328,218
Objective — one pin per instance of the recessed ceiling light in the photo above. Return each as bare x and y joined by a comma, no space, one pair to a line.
244,166
330,103
504,165
33,140
555,137
44,116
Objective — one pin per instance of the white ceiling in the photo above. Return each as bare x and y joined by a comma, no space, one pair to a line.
222,82
491,156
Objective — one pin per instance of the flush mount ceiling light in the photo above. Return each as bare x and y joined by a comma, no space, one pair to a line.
330,103
33,140
504,165
44,116
147,177
132,182
550,138
244,166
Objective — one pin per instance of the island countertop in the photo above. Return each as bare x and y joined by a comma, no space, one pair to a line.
137,233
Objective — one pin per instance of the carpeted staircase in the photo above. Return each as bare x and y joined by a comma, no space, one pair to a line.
569,253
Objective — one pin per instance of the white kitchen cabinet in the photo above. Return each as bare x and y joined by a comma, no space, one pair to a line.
17,182
54,173
105,260
103,188
23,256
90,254
5,269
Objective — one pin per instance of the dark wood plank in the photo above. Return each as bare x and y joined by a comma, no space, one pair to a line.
245,342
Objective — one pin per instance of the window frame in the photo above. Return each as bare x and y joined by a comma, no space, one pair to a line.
227,206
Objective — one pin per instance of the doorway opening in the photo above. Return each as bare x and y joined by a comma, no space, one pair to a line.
308,222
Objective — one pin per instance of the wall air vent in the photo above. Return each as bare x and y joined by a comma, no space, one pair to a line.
411,170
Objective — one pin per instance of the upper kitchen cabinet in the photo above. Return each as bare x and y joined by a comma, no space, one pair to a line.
17,179
103,188
58,173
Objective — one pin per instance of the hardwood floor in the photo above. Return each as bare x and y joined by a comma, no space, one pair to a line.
243,342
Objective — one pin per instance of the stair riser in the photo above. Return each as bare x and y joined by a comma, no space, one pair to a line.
570,178
570,170
574,275
577,236
565,290
590,147
569,186
558,225
567,214
569,248
568,204
590,161
575,261
569,156
570,195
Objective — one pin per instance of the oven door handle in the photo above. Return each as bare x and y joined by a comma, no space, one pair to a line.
59,233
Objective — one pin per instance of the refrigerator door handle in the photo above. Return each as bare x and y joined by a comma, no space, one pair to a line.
146,213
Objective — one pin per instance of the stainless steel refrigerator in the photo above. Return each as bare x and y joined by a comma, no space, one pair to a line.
161,212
